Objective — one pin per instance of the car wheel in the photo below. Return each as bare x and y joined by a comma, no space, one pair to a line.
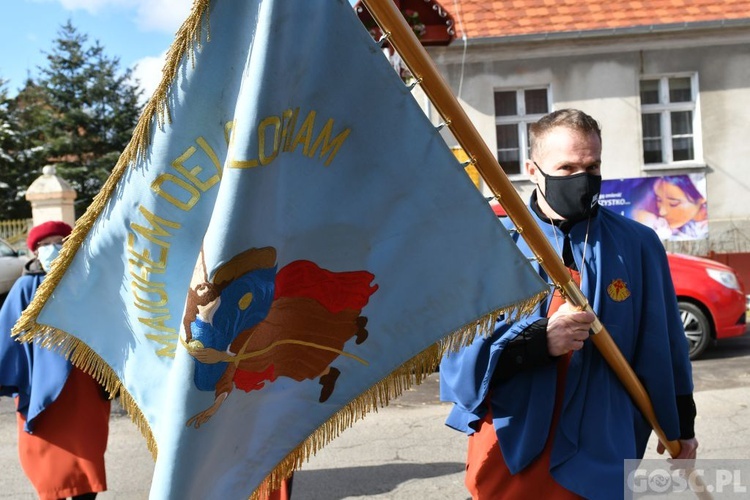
697,328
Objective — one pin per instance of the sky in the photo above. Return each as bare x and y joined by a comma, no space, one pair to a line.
139,32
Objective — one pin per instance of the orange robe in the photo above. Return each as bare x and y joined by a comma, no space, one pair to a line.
65,455
488,476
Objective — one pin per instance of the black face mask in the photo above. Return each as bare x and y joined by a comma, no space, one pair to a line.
572,196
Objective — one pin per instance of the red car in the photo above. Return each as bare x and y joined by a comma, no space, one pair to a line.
710,295
711,299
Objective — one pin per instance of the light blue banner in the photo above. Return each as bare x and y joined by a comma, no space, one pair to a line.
293,235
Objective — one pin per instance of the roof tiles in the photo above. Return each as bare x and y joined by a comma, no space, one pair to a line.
499,18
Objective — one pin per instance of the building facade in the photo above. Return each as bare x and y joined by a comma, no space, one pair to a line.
668,80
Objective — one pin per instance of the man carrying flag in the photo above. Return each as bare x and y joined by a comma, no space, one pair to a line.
545,415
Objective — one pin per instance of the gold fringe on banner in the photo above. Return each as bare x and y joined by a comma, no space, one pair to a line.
88,361
412,372
187,40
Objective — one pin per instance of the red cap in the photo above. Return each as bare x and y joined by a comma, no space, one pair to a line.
45,229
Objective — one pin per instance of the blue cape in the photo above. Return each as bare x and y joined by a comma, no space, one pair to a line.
34,374
599,425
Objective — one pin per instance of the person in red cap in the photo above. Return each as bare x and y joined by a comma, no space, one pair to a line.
62,413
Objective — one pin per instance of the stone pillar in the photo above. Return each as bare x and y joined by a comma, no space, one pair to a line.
51,198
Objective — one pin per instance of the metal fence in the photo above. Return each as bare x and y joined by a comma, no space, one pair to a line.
15,231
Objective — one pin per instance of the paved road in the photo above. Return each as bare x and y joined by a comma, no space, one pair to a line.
404,451
724,365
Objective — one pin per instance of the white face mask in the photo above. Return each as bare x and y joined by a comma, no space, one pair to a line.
46,254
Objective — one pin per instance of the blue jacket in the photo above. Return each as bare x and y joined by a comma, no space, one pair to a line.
34,374
599,425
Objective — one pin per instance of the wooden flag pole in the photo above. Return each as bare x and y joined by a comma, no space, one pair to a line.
402,38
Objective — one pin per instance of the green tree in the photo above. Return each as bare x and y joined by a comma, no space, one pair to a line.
8,138
21,151
93,107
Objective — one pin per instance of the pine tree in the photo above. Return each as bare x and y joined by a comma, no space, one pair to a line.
7,144
31,113
21,151
93,108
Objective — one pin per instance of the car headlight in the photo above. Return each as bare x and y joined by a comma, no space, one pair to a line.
726,278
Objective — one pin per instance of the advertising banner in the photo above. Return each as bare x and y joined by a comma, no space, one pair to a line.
674,206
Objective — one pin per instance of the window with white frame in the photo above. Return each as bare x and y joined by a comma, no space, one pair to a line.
515,110
669,119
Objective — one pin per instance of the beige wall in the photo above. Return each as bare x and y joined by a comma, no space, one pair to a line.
601,76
